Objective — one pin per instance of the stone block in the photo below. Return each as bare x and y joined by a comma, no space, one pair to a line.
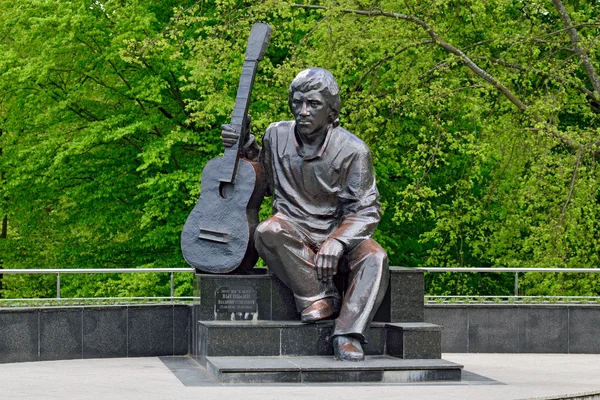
454,319
493,329
543,329
19,336
238,338
407,294
61,336
104,332
584,329
412,341
150,331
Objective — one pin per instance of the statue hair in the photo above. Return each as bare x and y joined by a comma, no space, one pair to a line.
321,80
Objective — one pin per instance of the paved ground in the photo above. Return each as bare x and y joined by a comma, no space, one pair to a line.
489,377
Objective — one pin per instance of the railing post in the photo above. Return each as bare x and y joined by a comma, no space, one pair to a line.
172,286
58,286
516,284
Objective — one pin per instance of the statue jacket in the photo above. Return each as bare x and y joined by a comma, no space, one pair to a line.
331,193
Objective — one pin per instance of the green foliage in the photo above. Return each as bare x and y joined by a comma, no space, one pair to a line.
110,109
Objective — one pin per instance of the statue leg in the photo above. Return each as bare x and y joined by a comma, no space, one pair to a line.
283,247
368,277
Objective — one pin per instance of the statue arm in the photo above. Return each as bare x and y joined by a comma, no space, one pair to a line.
360,203
361,214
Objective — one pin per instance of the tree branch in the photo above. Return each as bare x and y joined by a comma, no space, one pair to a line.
590,95
573,180
549,129
383,60
445,45
575,40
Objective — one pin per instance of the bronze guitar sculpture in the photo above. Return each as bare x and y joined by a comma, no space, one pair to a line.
218,236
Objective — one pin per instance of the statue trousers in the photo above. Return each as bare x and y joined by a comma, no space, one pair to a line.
289,254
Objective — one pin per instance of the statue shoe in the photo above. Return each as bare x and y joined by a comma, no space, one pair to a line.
318,310
347,348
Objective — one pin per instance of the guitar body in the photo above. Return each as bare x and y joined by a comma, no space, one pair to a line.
218,236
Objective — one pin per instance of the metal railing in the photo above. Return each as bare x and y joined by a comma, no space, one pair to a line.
59,271
515,271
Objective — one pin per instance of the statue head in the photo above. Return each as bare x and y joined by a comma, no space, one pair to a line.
321,80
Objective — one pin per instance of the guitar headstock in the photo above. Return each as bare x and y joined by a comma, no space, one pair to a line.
260,34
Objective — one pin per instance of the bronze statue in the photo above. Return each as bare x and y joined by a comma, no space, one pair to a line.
325,209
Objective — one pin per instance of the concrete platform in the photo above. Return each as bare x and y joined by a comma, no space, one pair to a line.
325,369
485,376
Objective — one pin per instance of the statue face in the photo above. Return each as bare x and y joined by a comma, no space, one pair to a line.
311,112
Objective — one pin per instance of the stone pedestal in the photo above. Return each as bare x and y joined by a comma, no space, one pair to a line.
247,329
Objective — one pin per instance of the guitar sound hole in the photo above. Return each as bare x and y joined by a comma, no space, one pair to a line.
226,190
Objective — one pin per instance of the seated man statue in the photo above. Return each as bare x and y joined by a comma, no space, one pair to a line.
325,209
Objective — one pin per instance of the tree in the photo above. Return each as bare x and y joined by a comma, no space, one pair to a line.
482,117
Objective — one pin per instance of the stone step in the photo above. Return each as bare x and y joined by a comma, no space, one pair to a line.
417,340
321,369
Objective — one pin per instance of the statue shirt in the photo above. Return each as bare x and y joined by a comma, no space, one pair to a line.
331,194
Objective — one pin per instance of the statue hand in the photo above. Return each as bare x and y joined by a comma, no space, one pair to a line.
230,137
327,259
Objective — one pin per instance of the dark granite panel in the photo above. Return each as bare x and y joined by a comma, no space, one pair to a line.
202,344
182,315
18,336
454,319
407,295
584,329
150,331
341,376
196,289
384,311
210,285
260,377
394,342
283,303
61,334
195,317
246,341
306,340
104,332
375,340
543,329
493,329
195,311
251,370
424,375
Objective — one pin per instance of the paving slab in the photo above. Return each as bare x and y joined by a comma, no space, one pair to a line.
485,376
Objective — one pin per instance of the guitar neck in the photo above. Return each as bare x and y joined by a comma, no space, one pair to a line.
260,34
232,154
